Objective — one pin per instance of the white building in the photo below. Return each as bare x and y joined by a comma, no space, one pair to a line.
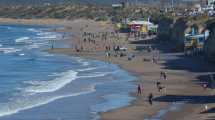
211,4
117,5
208,4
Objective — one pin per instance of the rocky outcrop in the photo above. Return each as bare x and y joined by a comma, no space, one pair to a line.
173,30
164,28
210,43
179,28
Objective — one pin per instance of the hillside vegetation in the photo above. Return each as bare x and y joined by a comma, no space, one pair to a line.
58,11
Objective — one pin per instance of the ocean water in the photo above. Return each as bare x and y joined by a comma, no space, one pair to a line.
36,85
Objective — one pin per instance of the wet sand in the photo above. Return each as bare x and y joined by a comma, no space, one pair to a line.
184,98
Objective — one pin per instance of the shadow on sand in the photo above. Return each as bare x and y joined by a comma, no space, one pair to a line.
212,110
211,118
196,65
187,99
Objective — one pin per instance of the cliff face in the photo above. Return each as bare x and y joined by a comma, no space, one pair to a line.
181,27
173,30
210,43
164,28
177,37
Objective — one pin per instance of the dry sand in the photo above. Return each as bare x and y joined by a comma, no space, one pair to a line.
184,75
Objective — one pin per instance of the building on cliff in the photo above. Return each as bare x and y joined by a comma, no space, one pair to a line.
208,4
195,40
142,26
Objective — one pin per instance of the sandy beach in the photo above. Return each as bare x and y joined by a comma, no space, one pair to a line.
184,97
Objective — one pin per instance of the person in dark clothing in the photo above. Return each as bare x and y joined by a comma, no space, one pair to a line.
164,76
158,84
150,98
139,91
160,88
161,74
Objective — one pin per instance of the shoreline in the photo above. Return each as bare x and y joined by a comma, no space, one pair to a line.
94,56
147,73
139,108
60,29
80,69
137,99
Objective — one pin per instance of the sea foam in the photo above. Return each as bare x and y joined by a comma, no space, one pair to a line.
23,40
88,69
9,50
29,103
53,85
96,74
48,37
33,30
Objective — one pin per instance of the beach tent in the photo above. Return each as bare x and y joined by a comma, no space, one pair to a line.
137,25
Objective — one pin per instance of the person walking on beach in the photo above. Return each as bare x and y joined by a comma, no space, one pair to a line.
161,74
164,76
158,84
150,98
108,54
139,90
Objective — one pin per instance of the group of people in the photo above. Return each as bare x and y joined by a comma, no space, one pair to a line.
94,41
140,92
163,75
161,88
101,41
